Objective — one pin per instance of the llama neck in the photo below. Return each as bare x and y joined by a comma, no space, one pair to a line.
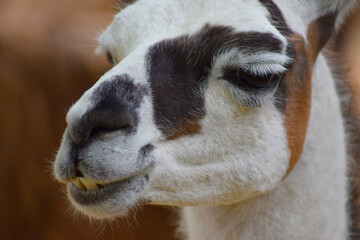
309,204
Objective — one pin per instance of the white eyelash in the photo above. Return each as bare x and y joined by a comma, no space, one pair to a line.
264,69
265,58
257,63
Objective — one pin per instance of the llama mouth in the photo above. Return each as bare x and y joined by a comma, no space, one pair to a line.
87,184
87,192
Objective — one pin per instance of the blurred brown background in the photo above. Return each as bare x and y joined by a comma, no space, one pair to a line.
46,63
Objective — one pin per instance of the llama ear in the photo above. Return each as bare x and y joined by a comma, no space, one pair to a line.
320,30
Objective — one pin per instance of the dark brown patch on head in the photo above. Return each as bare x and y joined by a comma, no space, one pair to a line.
179,67
276,17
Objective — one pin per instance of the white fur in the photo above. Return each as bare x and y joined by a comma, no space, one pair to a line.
229,177
309,204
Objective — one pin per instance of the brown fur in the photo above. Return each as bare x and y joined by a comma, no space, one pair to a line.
319,32
298,95
185,62
298,82
295,87
294,92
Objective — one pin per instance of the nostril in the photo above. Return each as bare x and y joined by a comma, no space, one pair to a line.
111,106
97,131
101,121
79,131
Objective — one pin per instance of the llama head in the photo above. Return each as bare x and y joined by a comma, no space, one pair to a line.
207,103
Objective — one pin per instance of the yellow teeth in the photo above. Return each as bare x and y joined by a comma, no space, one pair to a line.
78,184
87,184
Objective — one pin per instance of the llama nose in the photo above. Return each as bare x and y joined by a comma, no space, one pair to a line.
100,120
109,110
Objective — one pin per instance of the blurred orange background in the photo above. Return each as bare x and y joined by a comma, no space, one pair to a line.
46,63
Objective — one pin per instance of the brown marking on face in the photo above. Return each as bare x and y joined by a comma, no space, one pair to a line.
178,70
297,82
297,86
294,91
185,127
276,18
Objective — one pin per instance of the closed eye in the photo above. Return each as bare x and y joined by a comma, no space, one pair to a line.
246,79
252,71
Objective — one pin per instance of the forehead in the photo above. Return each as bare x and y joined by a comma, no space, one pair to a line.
150,21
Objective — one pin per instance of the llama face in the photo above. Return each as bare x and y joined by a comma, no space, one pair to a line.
195,110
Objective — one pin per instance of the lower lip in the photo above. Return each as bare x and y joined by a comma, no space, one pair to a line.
93,197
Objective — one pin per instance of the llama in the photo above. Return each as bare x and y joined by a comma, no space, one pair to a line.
227,109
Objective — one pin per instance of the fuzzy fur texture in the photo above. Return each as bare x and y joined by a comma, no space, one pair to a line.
229,172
